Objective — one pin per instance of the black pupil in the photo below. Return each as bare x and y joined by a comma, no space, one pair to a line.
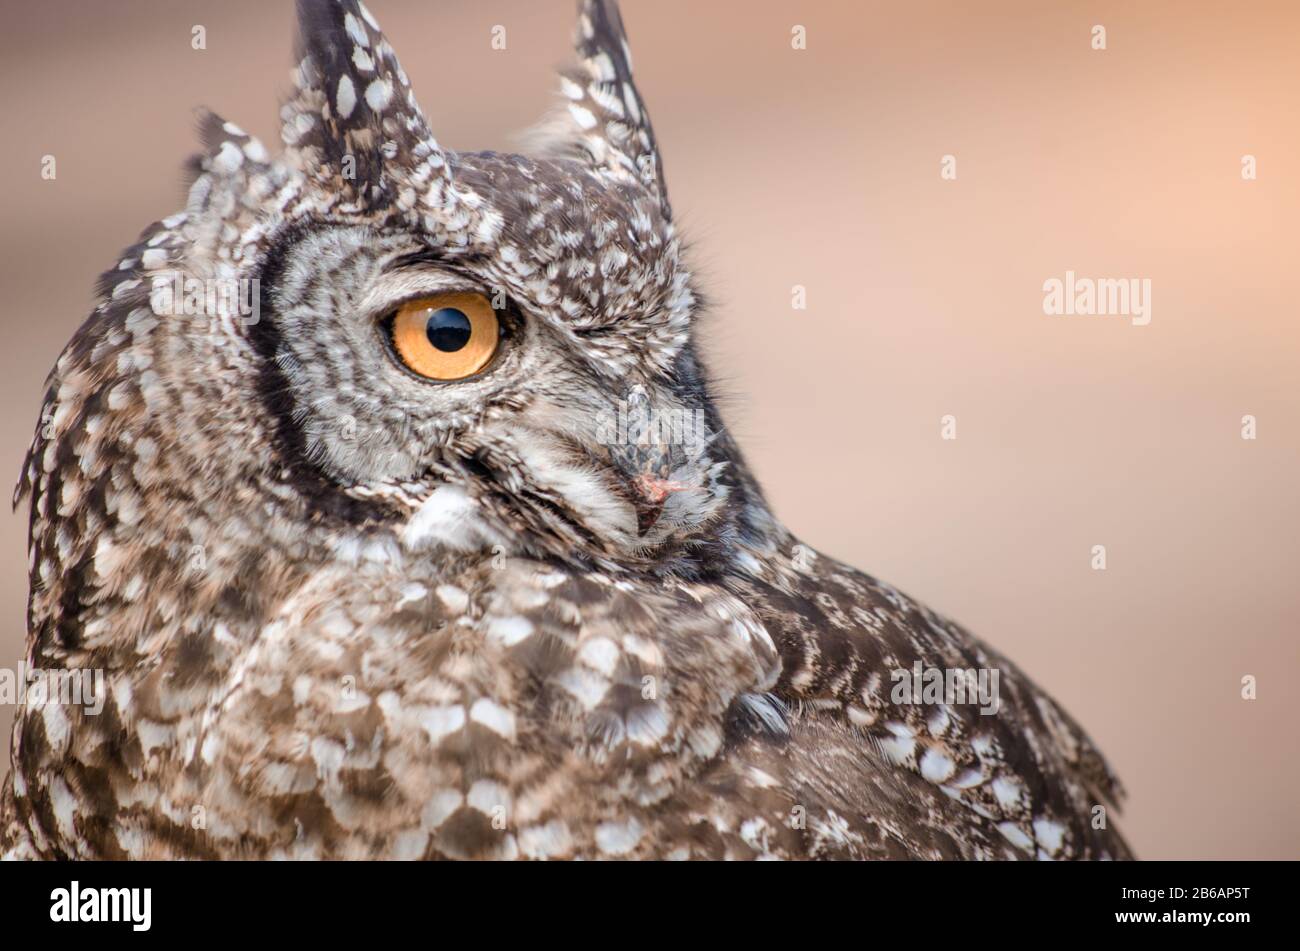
448,329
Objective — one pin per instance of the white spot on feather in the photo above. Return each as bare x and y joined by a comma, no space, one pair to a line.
488,796
411,593
599,653
618,838
1016,836
546,841
571,89
454,598
647,725
1007,791
439,722
378,94
64,806
493,716
602,68
57,728
448,517
586,686
442,803
1050,833
346,99
936,767
228,158
508,631
355,30
582,116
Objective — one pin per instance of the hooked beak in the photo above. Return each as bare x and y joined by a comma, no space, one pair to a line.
654,454
649,495
646,476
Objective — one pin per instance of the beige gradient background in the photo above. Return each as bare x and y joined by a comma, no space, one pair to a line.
821,168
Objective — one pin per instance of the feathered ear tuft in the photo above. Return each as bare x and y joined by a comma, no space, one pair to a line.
604,120
226,149
353,124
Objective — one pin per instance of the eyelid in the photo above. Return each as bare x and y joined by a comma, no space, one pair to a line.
397,303
509,317
397,288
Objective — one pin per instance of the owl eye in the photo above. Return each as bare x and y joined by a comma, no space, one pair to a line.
446,337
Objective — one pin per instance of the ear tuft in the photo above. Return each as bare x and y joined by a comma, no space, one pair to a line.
353,124
604,119
226,148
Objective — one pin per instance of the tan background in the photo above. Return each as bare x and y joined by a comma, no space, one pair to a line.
821,168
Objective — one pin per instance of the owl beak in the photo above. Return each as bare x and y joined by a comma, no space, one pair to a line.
646,480
649,495
655,453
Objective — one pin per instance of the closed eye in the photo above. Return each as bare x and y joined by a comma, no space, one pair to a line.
590,332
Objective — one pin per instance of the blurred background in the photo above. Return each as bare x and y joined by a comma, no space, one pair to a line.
821,168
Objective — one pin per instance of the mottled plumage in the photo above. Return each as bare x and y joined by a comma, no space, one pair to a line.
347,612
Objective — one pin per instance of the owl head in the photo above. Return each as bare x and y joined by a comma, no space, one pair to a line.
477,349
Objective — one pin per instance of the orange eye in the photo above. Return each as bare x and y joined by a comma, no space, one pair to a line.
446,337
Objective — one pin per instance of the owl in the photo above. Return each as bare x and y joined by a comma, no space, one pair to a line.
385,499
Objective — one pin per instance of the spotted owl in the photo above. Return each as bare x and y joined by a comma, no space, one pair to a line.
386,490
